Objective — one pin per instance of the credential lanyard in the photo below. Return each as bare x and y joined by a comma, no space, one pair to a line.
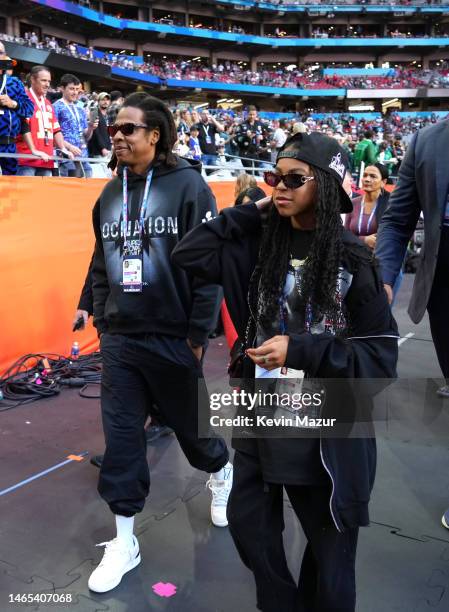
74,112
143,205
370,218
2,88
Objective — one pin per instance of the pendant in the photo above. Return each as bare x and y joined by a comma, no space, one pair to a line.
297,263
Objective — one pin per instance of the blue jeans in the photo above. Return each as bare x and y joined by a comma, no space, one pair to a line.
33,171
73,168
209,160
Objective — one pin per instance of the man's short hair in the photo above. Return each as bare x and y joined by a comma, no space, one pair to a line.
36,69
69,79
252,108
116,95
368,134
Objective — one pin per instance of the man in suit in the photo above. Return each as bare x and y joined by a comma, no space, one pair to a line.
423,186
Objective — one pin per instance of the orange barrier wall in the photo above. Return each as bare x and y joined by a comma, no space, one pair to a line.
46,241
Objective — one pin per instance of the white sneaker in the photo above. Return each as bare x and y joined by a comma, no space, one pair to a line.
220,495
117,560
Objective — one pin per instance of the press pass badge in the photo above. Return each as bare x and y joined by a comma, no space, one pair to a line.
132,274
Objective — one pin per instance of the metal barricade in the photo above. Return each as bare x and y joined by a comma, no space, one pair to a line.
79,167
97,167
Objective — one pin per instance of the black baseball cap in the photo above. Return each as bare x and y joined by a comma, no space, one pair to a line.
323,152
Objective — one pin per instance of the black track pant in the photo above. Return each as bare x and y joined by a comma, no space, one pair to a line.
438,306
255,514
137,372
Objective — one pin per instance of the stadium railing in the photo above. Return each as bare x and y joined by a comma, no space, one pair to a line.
100,168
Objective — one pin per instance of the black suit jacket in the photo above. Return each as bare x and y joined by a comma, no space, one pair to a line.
423,186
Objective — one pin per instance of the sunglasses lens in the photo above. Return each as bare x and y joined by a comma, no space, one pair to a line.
293,181
272,179
125,128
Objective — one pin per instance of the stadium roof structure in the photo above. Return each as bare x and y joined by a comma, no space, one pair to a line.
323,7
186,34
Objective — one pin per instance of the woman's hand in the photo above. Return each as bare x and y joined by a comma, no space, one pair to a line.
263,203
370,241
271,354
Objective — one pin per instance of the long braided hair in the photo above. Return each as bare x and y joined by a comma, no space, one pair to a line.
320,271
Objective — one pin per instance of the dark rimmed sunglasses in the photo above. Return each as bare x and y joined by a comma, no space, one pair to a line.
291,181
125,128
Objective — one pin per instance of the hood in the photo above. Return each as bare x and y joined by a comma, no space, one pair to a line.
161,169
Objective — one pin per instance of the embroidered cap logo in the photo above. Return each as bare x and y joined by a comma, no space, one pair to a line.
337,165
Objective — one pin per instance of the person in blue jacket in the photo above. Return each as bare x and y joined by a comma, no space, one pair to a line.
15,105
304,295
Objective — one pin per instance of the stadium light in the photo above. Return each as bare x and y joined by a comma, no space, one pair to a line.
361,107
391,102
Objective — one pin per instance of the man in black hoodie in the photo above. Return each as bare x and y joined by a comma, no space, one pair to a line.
153,320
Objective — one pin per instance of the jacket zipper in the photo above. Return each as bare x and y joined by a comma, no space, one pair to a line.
333,485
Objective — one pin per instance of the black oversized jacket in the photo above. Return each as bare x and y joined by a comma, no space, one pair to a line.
172,302
225,251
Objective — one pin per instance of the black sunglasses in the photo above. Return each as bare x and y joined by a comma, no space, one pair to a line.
125,128
291,181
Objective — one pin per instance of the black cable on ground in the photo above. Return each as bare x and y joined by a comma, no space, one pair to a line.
35,376
83,393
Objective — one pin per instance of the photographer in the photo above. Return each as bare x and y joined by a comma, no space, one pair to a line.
100,144
250,137
208,127
15,105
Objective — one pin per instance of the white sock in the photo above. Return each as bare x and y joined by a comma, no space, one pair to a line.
125,528
220,475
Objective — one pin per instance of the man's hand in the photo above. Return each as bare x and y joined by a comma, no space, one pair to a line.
93,125
8,102
105,152
85,316
74,150
41,154
389,292
370,241
271,354
198,351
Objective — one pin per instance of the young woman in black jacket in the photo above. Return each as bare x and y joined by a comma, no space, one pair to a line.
303,293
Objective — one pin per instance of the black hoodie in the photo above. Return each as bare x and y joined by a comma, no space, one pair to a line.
225,251
171,302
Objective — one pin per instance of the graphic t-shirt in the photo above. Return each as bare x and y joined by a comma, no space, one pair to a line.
303,465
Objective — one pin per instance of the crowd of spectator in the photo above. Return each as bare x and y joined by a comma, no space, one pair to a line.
213,137
233,72
244,134
357,2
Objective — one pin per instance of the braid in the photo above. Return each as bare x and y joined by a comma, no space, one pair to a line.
267,280
319,279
